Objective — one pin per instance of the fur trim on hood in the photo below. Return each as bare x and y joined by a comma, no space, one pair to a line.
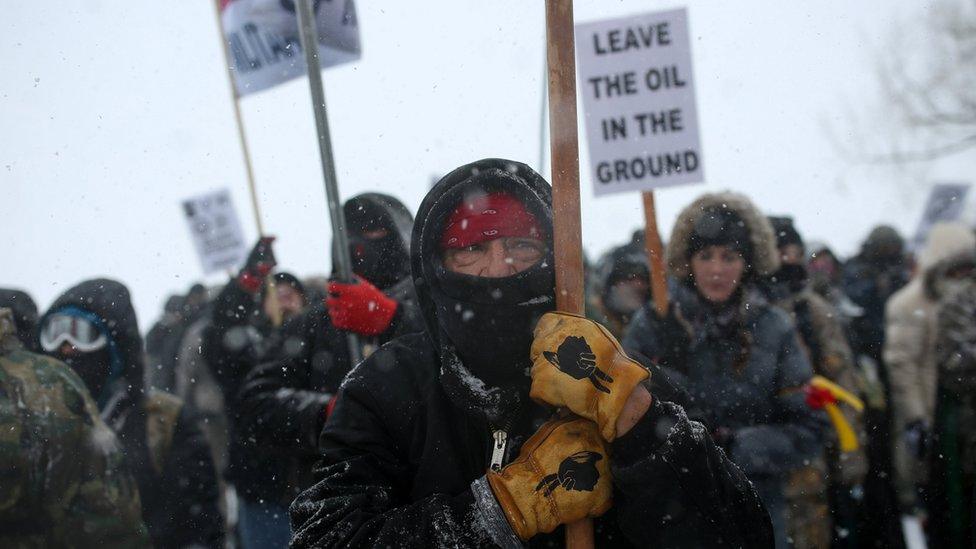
765,260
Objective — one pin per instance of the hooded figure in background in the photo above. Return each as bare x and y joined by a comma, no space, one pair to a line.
870,279
431,442
24,311
837,474
245,330
737,355
622,284
92,327
164,340
910,352
285,400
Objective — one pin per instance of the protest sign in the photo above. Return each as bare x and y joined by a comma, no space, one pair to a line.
216,231
263,45
638,91
945,203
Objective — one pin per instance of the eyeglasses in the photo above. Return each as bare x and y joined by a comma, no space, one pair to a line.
522,250
81,334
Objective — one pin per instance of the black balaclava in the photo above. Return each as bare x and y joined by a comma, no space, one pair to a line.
107,304
94,368
792,278
382,261
483,326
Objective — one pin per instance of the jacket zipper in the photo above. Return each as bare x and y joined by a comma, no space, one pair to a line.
500,442
498,449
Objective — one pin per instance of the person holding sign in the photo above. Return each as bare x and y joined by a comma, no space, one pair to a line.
243,333
449,438
738,356
285,399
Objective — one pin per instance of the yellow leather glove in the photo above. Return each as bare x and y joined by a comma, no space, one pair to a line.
577,364
561,475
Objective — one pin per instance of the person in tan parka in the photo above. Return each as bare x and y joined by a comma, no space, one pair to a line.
910,349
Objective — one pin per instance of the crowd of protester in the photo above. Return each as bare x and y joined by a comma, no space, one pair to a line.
787,397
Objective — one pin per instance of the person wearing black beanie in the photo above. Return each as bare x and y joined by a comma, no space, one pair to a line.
738,356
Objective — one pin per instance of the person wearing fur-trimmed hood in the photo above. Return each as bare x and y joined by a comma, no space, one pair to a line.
737,356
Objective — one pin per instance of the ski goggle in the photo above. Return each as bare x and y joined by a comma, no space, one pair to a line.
80,333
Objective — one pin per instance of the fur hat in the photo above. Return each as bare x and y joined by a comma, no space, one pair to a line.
739,224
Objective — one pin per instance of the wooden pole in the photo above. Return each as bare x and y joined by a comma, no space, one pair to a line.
652,241
564,150
564,146
246,152
240,122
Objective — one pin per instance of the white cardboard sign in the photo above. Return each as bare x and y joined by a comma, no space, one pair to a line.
263,43
216,231
636,79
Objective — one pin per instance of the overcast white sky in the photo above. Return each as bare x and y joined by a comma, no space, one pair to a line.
113,111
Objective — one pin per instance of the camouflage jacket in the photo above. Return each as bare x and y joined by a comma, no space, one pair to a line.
63,480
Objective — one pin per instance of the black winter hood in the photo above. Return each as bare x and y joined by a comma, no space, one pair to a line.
109,301
622,263
384,262
482,326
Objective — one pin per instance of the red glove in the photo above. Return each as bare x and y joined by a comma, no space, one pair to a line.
360,307
259,263
818,397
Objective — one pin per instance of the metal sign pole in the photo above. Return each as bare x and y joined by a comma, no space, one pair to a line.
310,46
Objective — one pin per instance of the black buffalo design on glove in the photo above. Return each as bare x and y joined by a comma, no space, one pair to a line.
575,358
577,472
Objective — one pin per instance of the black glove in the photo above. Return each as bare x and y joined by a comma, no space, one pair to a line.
259,263
917,438
672,336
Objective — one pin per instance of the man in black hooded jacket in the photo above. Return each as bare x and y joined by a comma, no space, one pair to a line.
420,450
92,327
284,401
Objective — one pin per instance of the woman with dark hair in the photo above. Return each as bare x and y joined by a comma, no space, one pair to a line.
738,357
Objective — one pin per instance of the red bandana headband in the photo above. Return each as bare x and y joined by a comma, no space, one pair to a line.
487,217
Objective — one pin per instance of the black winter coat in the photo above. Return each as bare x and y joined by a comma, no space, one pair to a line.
283,402
236,341
400,453
399,458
